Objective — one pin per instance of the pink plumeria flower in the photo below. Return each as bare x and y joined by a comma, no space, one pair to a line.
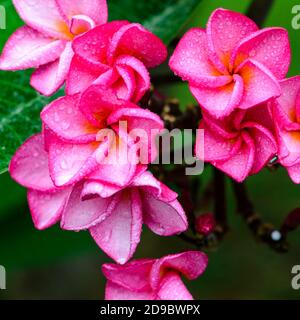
45,42
72,125
114,215
231,64
286,111
154,279
117,56
240,144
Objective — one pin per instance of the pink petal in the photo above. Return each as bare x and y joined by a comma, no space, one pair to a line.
69,163
44,16
82,214
82,74
87,45
172,288
294,173
163,218
134,40
29,165
216,147
225,29
259,84
239,165
269,47
190,263
133,275
119,234
64,118
221,101
142,77
80,24
28,48
116,292
93,189
143,125
190,61
49,78
289,142
46,207
95,9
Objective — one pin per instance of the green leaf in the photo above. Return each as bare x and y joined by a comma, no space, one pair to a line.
164,18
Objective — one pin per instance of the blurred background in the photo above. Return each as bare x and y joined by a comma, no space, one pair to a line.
56,264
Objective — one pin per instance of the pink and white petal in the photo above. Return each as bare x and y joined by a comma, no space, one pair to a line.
189,263
46,207
44,16
142,77
119,234
87,46
49,78
64,118
82,214
239,166
163,218
190,61
225,29
259,84
98,188
69,163
269,46
94,9
116,292
171,287
28,48
289,142
133,275
294,173
29,165
135,40
221,101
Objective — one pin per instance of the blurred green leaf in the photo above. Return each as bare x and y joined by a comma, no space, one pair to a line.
164,18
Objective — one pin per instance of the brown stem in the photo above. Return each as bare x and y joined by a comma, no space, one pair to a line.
220,209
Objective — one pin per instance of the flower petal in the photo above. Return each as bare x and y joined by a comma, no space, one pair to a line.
28,48
64,118
163,218
294,173
94,9
82,214
221,101
49,78
269,46
116,292
29,165
46,207
135,40
172,288
119,234
44,16
259,84
225,29
190,61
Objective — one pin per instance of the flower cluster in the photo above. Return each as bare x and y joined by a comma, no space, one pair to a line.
75,174
237,74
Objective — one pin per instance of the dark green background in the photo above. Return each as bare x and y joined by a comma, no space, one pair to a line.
60,264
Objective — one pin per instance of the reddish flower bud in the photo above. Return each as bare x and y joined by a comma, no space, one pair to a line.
205,223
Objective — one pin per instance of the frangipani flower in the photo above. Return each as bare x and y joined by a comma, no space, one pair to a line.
232,64
286,111
240,144
117,56
114,215
154,279
45,42
72,125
